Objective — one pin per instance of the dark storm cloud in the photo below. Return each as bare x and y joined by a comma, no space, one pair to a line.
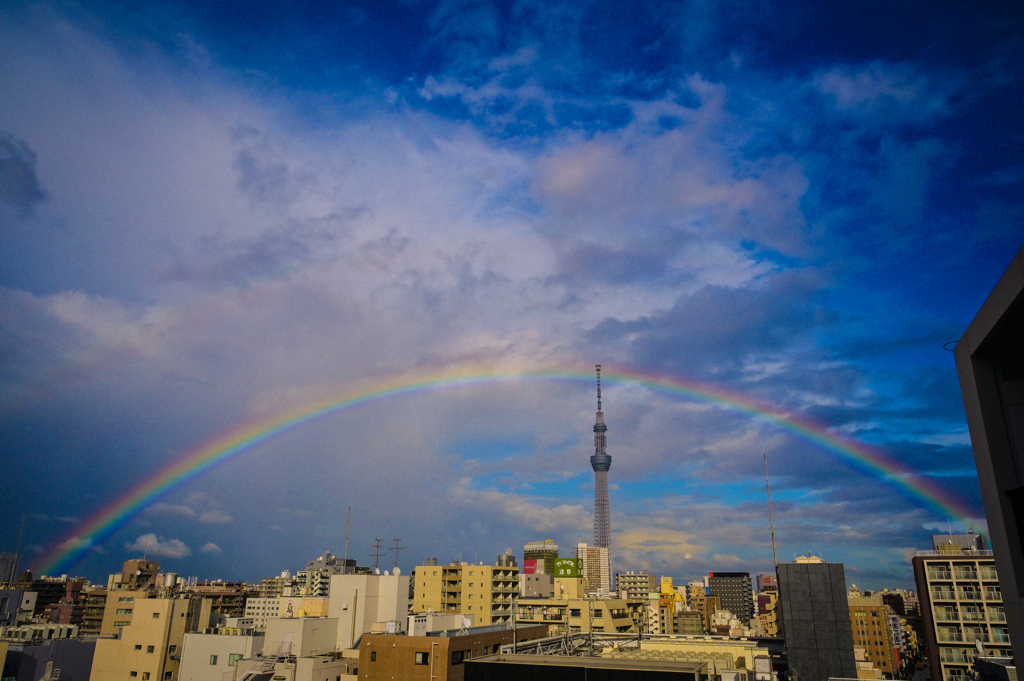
19,186
715,329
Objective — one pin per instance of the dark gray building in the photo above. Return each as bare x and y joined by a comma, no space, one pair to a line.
68,659
734,592
8,567
816,620
10,602
990,363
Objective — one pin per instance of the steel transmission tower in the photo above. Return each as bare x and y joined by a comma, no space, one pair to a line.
601,462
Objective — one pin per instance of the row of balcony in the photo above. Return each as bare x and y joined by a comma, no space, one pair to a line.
991,593
985,572
970,616
959,637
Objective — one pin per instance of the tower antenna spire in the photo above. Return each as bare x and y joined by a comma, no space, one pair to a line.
601,462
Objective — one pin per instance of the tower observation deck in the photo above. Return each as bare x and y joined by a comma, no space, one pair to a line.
601,462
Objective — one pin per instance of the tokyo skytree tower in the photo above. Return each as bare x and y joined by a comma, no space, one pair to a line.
601,462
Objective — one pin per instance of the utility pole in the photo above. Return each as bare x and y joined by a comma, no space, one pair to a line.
376,553
396,548
17,549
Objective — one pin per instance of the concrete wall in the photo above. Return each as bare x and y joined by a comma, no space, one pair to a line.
307,636
359,601
990,364
198,650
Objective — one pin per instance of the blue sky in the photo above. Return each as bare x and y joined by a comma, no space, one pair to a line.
213,212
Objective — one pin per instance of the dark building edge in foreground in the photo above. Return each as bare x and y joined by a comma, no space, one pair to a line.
990,365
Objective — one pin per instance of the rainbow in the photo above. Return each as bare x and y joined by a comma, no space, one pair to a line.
248,436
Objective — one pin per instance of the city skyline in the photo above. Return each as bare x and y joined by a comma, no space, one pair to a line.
260,264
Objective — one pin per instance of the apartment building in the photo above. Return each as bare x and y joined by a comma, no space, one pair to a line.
635,584
485,591
961,607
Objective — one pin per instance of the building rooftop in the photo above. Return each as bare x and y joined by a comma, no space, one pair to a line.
948,553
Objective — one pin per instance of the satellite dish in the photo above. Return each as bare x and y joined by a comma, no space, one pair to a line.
385,573
981,648
396,572
376,571
138,572
466,622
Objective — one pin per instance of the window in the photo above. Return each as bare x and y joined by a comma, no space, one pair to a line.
373,653
233,658
149,649
138,647
156,615
123,611
172,650
459,655
422,658
145,676
133,674
167,676
213,659
122,623
471,608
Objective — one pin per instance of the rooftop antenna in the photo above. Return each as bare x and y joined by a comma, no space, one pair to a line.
376,554
771,522
396,548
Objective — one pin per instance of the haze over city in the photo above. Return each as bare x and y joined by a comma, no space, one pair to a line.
763,220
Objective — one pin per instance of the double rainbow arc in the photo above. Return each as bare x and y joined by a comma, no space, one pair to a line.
251,434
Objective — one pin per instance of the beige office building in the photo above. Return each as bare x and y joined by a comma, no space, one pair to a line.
148,646
485,591
870,621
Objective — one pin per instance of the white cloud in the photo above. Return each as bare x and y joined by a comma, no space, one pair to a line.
210,547
157,548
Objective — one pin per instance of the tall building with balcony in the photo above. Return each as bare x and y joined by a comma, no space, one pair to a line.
635,584
961,606
486,591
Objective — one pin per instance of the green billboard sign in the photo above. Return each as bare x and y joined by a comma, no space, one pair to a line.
567,567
